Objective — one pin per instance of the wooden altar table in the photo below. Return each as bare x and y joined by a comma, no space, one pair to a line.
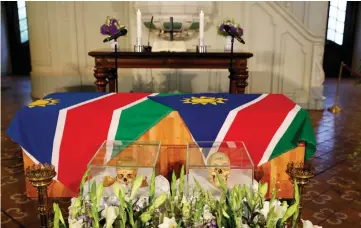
105,72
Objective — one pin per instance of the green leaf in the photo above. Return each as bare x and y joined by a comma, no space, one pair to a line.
136,184
56,222
83,180
173,184
152,187
181,182
93,192
160,200
224,213
297,192
99,192
290,211
75,208
221,182
145,217
186,210
262,189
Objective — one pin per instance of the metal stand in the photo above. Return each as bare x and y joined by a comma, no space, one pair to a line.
116,65
41,176
335,108
302,176
231,65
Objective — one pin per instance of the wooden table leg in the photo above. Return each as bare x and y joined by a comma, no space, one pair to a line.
101,75
238,80
112,78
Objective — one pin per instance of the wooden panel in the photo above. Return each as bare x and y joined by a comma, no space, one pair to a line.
274,172
168,62
174,135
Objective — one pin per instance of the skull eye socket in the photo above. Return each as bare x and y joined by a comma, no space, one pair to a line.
121,175
220,171
129,175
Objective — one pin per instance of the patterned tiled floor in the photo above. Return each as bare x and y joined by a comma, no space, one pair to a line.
333,199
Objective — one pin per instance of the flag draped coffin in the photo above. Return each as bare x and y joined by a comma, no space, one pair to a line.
66,129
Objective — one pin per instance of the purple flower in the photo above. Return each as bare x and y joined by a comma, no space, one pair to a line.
113,21
233,29
104,30
240,31
113,29
221,28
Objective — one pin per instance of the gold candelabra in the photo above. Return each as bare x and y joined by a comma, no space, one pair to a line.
302,175
335,108
41,176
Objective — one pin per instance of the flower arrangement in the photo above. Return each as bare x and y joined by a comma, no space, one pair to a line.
111,26
238,207
235,28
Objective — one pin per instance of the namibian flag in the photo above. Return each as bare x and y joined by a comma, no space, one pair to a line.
66,129
268,124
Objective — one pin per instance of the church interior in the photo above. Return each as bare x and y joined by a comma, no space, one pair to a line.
306,52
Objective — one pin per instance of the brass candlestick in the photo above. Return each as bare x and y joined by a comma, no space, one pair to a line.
302,175
335,108
41,176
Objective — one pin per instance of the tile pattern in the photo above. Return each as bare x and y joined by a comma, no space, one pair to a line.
332,199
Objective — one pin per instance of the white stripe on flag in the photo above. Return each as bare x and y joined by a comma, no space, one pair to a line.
228,122
279,133
30,156
60,130
115,123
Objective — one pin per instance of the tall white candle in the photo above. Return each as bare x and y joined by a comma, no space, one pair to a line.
139,27
201,28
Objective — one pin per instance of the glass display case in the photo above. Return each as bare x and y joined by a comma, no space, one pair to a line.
121,162
230,160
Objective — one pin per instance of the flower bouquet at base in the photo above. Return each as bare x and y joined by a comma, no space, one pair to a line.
238,207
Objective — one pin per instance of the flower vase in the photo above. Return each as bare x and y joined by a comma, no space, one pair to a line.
228,44
114,44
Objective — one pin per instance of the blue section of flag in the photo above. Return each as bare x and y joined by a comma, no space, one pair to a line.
205,121
41,122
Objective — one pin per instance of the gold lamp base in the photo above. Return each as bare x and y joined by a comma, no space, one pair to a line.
334,109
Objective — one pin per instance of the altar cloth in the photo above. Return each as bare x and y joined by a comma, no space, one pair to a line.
66,129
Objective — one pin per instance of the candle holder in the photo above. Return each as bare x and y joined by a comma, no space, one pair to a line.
138,48
41,176
201,49
302,175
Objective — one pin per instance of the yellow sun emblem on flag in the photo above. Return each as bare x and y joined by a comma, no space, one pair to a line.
204,100
43,102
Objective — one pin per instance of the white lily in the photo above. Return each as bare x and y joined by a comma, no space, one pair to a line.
308,224
168,223
76,223
280,209
112,213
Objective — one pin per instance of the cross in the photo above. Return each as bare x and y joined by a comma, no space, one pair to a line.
171,31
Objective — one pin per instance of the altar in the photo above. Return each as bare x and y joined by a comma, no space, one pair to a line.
66,129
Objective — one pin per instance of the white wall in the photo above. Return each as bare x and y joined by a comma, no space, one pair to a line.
287,46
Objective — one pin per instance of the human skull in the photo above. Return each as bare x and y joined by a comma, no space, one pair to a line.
126,175
221,165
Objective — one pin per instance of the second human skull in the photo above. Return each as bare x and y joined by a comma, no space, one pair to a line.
220,164
127,174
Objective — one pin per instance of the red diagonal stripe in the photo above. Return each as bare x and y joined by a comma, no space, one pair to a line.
86,128
256,124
